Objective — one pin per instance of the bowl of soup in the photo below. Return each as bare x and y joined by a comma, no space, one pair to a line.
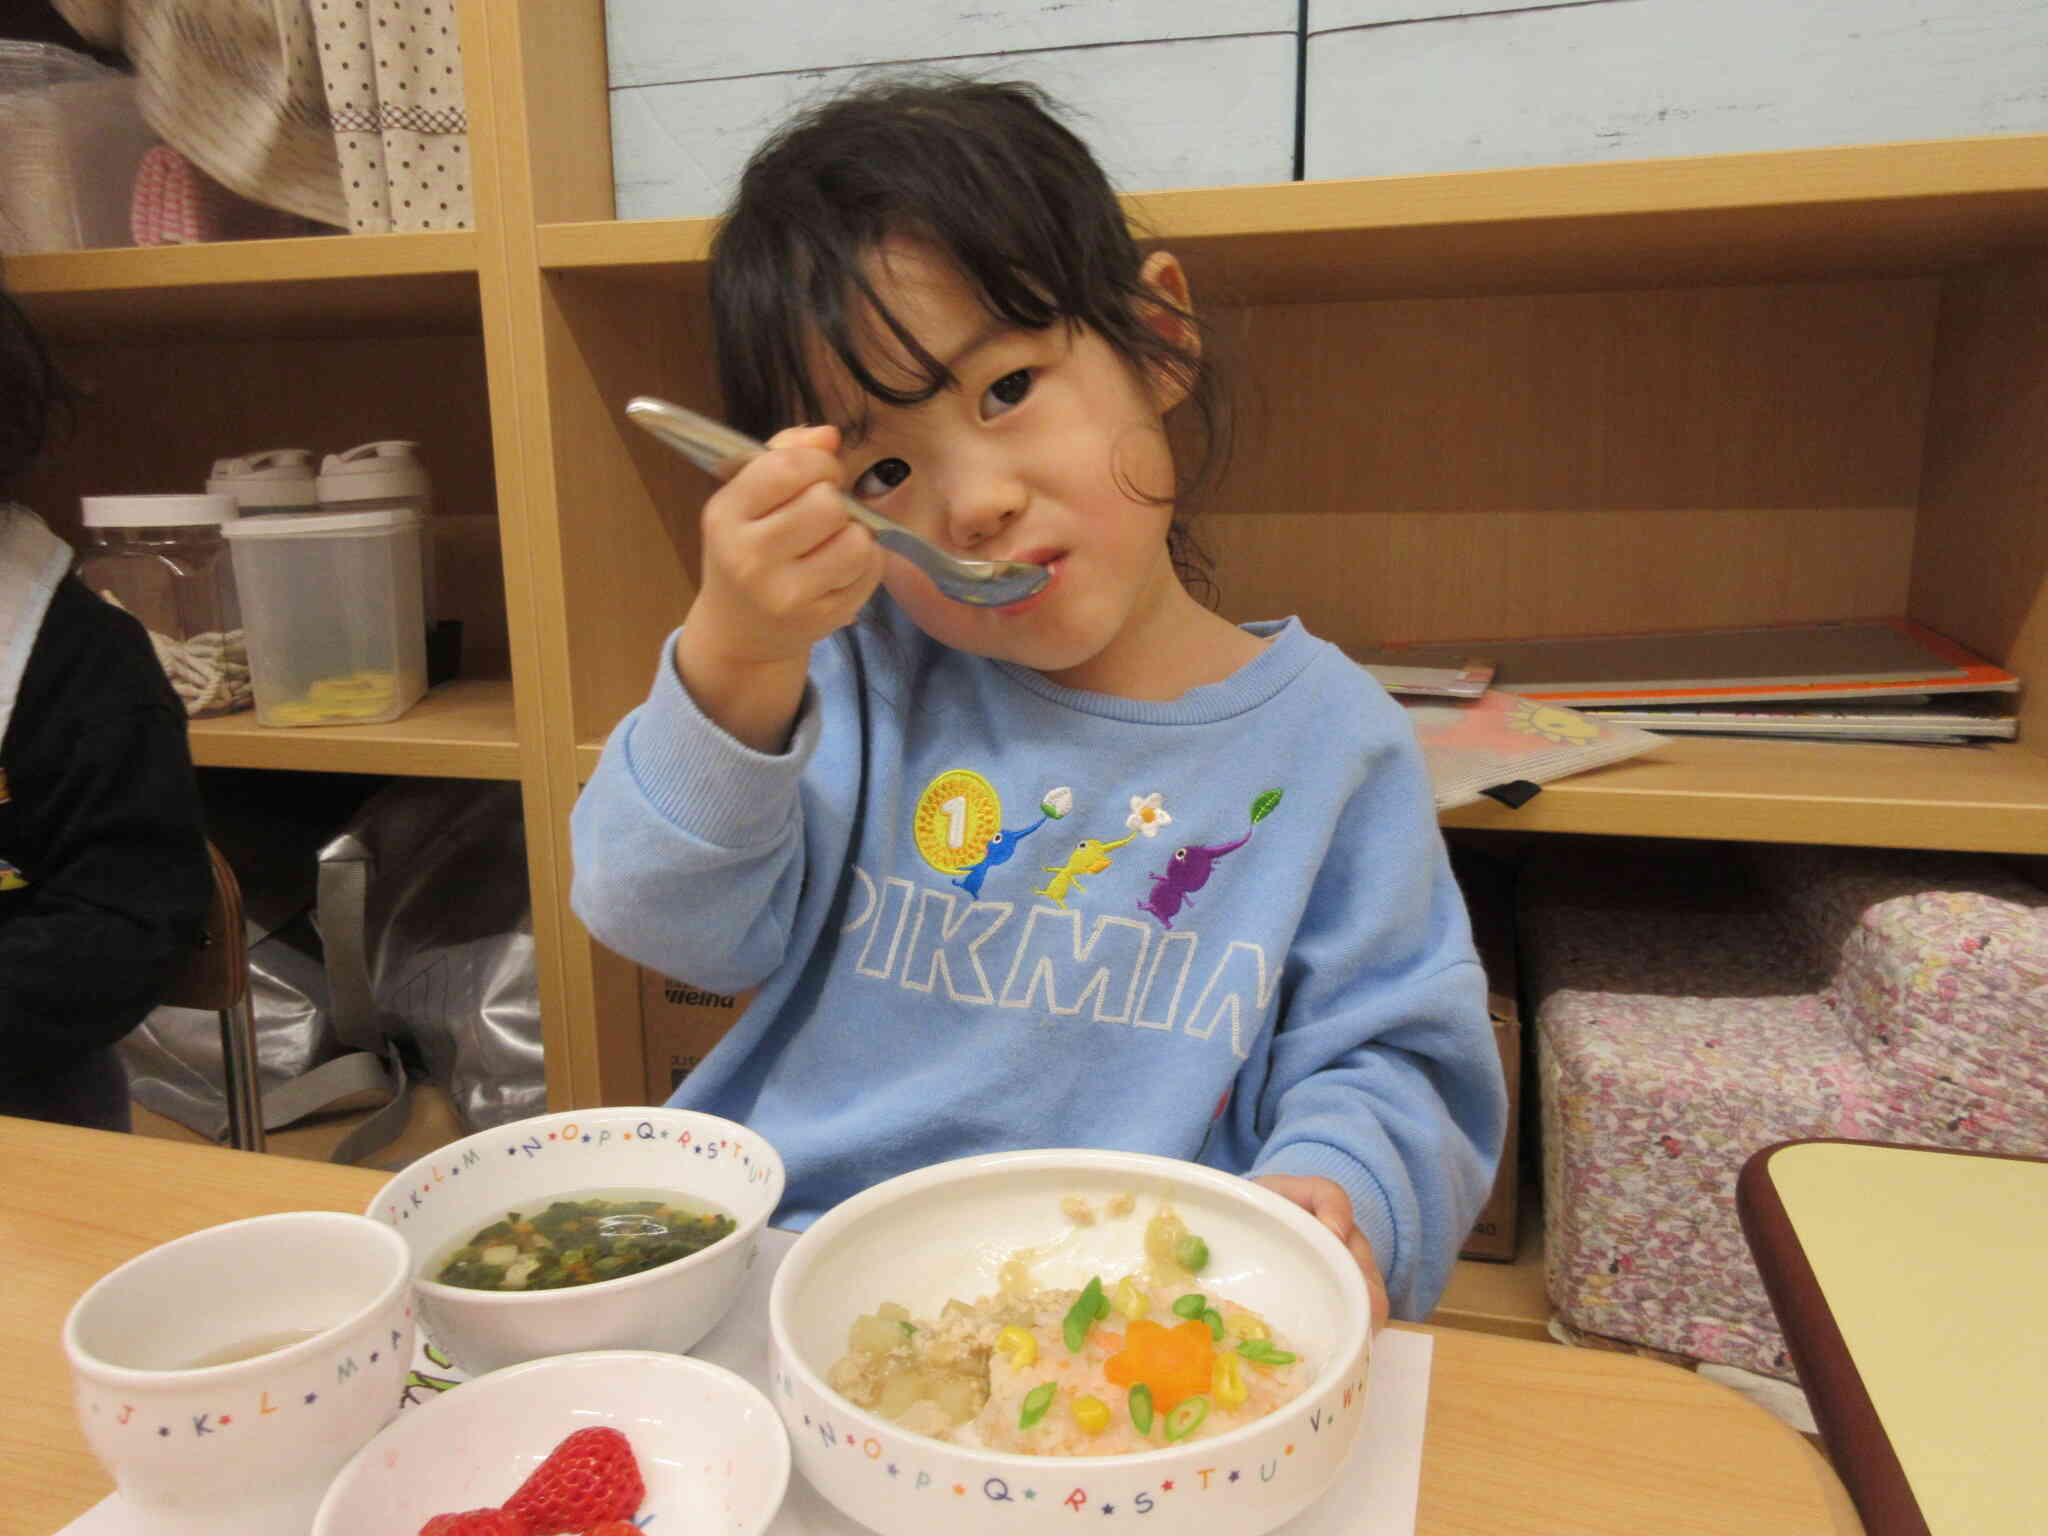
990,1346
621,1228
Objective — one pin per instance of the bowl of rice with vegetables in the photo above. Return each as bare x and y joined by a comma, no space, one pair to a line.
997,1343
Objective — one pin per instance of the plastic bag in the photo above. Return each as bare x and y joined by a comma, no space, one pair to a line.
399,947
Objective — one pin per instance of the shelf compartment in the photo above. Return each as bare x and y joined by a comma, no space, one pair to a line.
462,730
334,285
1867,210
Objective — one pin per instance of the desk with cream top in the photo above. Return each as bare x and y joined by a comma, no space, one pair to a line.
1909,1283
1522,1437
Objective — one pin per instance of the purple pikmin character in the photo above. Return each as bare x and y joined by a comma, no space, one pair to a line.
1192,866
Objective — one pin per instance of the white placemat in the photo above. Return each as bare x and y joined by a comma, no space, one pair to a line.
1375,1494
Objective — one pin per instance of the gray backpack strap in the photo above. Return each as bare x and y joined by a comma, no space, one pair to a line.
343,904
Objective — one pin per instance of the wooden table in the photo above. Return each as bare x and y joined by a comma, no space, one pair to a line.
1522,1437
1908,1280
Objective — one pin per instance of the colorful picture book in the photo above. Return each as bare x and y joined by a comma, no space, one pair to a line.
1466,678
1794,661
1944,721
1472,746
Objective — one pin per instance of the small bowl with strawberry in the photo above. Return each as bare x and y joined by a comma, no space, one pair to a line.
596,1444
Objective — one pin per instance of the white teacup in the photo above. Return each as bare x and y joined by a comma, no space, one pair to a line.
225,1377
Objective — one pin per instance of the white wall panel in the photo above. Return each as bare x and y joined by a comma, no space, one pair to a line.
1329,15
1163,114
660,42
1649,78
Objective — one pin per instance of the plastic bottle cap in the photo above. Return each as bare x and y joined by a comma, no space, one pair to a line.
387,471
170,511
275,477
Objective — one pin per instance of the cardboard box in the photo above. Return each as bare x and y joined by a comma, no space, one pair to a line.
1489,895
679,1024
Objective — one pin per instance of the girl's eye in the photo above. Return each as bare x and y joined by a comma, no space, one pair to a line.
881,478
1006,392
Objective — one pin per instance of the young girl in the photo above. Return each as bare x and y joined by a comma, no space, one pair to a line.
1097,868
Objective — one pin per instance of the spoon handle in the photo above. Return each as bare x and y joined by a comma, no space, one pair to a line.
719,451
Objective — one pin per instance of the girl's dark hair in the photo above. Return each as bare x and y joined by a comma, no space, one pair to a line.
985,171
31,390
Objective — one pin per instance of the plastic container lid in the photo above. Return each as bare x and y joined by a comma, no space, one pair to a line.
170,511
314,525
374,472
275,477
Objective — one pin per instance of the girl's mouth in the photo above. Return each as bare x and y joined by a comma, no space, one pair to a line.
1052,561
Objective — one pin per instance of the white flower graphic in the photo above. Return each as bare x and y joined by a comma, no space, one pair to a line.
1057,802
1148,814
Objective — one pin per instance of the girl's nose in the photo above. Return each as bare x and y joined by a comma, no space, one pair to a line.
981,506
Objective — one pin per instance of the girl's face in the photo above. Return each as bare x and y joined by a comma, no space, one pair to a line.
1047,448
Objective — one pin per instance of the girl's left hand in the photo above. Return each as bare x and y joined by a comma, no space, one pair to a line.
1325,1200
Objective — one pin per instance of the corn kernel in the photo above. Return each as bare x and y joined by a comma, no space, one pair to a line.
1020,1346
1245,1326
1226,1383
1092,1414
1130,1301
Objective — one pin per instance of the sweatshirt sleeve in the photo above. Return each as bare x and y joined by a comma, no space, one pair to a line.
1384,1076
688,845
120,885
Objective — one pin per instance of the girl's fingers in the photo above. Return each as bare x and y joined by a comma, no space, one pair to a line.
799,459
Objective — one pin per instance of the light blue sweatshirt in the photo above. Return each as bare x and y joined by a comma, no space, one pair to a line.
1277,978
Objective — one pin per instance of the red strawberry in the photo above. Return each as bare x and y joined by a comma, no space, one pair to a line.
589,1478
478,1522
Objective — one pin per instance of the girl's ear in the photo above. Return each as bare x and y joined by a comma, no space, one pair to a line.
1172,316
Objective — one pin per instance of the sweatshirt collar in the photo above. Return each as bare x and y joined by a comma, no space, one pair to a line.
1288,654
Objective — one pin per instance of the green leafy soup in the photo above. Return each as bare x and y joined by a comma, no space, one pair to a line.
579,1239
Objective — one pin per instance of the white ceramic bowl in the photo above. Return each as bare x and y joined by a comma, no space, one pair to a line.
450,1194
311,1314
709,1448
941,1232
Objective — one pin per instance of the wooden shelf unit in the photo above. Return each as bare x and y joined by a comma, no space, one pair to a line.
1739,389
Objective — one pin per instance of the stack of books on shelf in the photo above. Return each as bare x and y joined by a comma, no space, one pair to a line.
1872,680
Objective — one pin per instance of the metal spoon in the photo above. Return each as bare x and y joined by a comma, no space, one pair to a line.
719,451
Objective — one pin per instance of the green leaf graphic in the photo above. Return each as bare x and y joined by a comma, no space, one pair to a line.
1265,805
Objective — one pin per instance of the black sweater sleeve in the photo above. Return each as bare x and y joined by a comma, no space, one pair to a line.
103,825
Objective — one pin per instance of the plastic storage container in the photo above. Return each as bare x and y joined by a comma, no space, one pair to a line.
71,136
163,559
390,474
336,627
275,480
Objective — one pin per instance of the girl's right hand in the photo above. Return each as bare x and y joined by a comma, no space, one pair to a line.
784,566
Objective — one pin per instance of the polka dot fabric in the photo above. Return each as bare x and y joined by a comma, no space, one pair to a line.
393,75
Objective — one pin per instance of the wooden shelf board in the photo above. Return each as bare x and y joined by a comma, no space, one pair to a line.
409,284
1990,798
1865,210
461,730
625,245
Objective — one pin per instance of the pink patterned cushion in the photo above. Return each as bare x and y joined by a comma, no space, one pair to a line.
1694,1004
1941,979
